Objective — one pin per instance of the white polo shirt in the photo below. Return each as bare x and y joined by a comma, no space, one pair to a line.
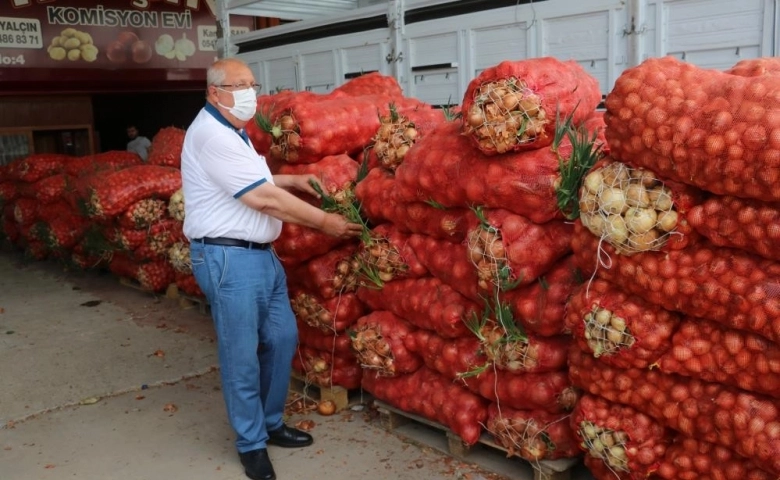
218,165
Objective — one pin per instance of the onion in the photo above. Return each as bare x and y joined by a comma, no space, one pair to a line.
618,323
326,408
476,118
286,122
410,134
637,196
616,230
644,241
603,317
597,225
660,198
613,200
641,220
667,221
588,203
594,182
319,365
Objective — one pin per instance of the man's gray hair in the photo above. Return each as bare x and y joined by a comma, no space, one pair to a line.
215,75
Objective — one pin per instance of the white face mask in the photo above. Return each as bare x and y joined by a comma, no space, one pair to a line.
244,104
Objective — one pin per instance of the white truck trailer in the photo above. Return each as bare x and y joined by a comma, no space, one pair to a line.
435,47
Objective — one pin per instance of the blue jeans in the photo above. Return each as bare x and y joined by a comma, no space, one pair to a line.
256,335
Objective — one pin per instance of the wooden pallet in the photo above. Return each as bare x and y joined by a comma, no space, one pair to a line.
338,395
172,292
188,301
486,453
134,284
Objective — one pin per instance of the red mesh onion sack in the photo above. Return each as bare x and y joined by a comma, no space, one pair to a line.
749,225
332,315
338,343
625,440
373,83
123,265
462,359
143,213
398,132
451,357
335,173
532,435
62,232
513,106
328,275
539,307
112,193
434,397
326,370
297,243
620,329
378,340
735,288
9,229
509,250
307,127
710,129
166,147
8,192
379,202
425,303
387,255
34,167
756,67
715,353
689,458
260,139
111,160
156,275
445,168
450,263
51,189
25,211
451,173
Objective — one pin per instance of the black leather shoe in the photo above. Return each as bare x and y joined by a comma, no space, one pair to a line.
289,437
257,465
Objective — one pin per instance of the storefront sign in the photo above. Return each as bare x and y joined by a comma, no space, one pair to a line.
112,35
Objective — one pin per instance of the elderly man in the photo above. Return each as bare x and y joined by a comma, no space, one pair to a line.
234,209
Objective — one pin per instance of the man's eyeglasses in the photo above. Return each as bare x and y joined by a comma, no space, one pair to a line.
241,86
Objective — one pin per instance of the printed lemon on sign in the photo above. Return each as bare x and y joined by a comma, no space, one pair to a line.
179,49
73,45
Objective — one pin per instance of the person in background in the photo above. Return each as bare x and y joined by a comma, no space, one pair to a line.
138,144
234,209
